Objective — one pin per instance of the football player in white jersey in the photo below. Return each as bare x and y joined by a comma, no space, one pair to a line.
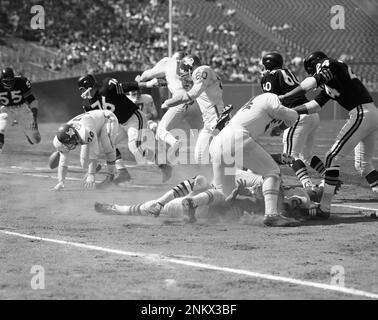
146,104
168,68
95,131
236,146
207,90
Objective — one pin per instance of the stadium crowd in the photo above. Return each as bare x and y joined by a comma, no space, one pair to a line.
119,35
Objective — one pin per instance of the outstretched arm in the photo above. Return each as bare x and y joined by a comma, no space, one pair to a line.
306,85
308,108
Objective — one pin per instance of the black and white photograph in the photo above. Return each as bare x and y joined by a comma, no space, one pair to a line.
188,156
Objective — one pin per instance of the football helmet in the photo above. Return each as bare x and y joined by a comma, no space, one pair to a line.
272,60
87,81
189,63
312,60
7,78
68,136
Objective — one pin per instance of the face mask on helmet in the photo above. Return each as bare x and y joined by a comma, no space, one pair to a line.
86,93
8,83
69,137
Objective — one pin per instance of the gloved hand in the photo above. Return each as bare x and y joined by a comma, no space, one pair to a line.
89,181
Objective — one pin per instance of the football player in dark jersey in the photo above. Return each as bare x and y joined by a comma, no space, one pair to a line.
18,103
338,82
111,95
298,140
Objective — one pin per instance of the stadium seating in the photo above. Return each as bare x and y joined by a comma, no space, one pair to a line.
101,36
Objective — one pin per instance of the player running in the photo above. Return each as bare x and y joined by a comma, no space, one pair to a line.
168,68
96,132
298,140
111,95
236,147
338,82
18,103
207,90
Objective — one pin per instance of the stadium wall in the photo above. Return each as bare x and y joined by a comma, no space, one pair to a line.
60,99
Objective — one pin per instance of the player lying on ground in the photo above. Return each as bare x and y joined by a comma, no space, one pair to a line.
110,94
196,197
18,105
338,82
96,132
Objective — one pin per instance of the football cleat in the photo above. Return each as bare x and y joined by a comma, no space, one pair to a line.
106,182
104,208
374,189
278,220
190,209
122,176
166,171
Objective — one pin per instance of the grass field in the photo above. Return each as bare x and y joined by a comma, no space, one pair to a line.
87,255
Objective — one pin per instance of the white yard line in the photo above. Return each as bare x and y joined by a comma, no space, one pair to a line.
354,207
163,259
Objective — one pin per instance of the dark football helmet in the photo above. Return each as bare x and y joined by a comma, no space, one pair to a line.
272,60
68,136
87,81
312,60
189,63
7,78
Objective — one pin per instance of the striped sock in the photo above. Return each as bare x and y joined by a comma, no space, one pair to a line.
372,179
301,172
317,165
181,190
